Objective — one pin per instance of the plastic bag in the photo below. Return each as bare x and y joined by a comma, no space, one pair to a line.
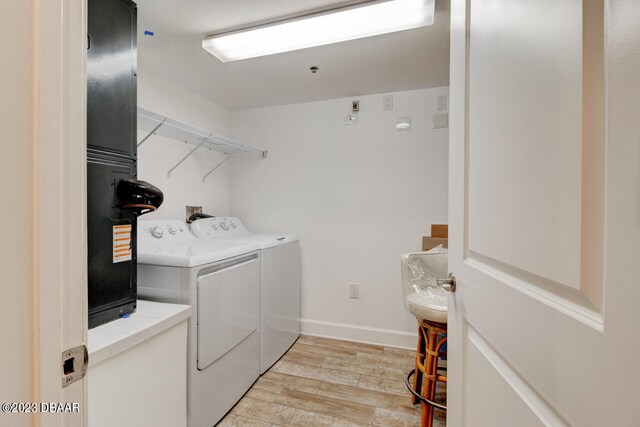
420,274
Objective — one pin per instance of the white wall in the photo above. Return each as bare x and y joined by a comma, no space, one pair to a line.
358,196
157,155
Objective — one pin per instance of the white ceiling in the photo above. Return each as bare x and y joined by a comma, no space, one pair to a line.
404,60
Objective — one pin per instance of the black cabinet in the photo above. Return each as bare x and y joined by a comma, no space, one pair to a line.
111,157
111,243
111,76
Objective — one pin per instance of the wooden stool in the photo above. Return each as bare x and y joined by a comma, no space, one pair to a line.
427,301
431,338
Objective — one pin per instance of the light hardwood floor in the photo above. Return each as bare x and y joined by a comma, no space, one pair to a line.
324,382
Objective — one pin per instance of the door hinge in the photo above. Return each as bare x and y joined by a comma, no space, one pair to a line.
74,364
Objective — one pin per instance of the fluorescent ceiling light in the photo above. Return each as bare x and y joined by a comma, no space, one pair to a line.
368,19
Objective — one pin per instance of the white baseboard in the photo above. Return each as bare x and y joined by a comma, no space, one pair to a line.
363,334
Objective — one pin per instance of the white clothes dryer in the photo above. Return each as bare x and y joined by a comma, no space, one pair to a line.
280,282
221,282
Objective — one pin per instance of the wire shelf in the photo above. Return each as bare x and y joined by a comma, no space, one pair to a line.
157,124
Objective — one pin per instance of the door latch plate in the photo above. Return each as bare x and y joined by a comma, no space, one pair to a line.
74,364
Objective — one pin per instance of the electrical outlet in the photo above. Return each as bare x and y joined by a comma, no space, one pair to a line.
354,291
193,209
387,102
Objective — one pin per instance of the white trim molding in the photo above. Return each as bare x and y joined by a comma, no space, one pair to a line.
362,334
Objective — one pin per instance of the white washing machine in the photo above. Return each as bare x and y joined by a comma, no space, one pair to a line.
221,282
280,296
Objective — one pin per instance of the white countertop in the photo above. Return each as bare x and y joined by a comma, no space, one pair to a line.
150,319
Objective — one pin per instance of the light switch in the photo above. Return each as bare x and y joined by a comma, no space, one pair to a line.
442,103
440,120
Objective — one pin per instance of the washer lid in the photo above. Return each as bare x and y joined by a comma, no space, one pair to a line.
170,243
195,254
265,241
231,228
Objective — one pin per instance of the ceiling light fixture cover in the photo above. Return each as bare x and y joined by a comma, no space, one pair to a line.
364,20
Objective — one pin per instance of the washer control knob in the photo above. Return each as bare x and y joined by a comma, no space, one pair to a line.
214,226
224,226
172,229
157,232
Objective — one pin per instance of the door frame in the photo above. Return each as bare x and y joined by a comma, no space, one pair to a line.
59,201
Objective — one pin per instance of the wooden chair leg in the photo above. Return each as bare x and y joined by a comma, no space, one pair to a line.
431,338
429,385
433,373
417,376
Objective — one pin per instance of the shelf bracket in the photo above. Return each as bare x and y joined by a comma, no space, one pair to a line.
187,156
216,167
152,132
222,162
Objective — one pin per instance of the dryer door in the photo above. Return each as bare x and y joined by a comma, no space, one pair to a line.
228,306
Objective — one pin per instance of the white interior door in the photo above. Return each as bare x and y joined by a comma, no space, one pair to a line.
544,213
